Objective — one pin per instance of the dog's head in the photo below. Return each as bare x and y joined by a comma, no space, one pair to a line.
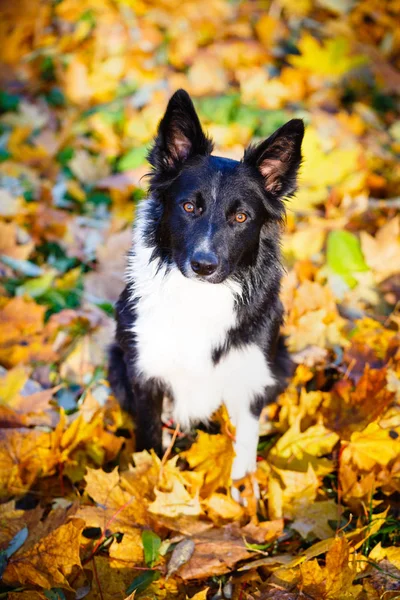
214,209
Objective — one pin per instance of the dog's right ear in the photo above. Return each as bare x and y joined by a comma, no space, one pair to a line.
179,135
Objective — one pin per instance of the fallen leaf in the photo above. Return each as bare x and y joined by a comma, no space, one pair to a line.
211,456
50,561
216,552
181,554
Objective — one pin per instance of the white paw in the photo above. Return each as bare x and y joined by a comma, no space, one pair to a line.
246,490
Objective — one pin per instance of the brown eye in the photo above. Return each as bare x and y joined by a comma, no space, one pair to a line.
240,217
188,207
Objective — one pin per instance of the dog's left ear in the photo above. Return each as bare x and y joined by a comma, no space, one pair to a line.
278,158
179,135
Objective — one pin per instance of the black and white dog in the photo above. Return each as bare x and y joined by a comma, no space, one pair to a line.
199,318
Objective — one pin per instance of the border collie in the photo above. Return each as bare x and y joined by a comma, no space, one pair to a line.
199,318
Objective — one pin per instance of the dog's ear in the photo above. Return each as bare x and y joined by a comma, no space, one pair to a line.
278,158
179,135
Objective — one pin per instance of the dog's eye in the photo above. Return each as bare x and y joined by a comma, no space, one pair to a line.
188,207
240,217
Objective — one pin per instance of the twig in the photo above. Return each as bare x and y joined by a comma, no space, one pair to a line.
169,449
97,578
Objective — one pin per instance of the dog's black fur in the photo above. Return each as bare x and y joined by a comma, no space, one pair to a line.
183,170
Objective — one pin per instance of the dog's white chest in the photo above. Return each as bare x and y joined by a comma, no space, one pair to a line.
179,322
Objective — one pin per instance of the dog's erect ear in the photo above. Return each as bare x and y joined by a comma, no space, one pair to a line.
179,135
278,158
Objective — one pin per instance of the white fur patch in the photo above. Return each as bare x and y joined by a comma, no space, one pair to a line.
179,322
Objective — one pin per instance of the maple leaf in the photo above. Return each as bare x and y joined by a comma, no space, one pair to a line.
116,508
24,454
211,455
49,561
331,59
316,519
372,446
290,492
350,408
335,580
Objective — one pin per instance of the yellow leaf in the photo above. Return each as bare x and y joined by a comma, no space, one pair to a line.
206,76
23,336
372,446
392,553
291,491
175,502
50,561
75,190
11,384
305,243
300,8
315,520
220,506
77,81
211,455
326,167
129,550
199,596
330,59
9,243
317,440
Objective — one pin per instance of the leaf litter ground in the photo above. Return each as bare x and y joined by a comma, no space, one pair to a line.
84,516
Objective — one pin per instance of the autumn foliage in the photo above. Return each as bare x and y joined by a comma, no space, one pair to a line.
82,515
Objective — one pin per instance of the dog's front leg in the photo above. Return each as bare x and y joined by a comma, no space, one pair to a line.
149,399
245,446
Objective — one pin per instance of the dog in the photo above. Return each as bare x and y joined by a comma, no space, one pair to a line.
199,319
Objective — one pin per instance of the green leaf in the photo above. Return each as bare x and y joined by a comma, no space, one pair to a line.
97,198
36,287
132,159
65,155
151,545
8,102
55,594
248,116
271,120
47,69
344,256
141,582
4,154
55,97
220,109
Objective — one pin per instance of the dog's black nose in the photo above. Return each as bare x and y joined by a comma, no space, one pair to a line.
204,263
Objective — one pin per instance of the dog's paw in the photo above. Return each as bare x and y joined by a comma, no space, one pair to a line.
246,491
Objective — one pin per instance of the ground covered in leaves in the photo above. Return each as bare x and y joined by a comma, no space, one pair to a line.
84,83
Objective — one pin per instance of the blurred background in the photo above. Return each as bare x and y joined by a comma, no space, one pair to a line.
83,86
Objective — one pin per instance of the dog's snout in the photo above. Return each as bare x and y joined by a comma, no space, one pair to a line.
204,263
